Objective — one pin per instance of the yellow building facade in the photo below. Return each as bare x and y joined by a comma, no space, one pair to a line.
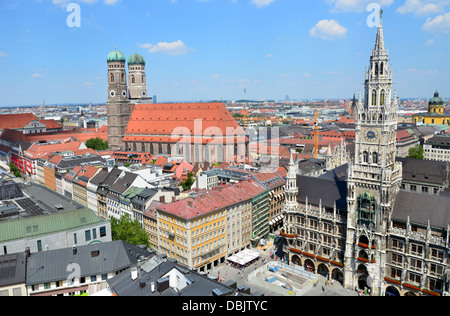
198,242
436,112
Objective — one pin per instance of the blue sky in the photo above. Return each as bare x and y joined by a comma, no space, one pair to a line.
213,49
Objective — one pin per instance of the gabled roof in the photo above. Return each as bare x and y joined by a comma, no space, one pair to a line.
39,151
124,183
213,200
12,269
51,124
51,265
424,171
99,177
322,190
413,204
16,121
164,119
156,268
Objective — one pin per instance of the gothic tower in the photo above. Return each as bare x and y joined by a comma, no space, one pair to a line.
118,105
291,189
374,176
136,77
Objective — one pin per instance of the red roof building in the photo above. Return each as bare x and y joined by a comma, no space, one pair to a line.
184,129
16,121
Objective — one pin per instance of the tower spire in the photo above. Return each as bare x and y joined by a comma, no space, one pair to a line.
379,43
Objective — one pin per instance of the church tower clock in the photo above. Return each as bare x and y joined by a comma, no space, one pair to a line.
374,176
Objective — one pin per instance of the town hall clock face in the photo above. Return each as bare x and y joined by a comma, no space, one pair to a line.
371,135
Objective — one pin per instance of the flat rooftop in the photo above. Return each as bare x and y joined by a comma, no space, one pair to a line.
38,200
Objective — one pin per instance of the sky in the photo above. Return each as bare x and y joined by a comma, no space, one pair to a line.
215,49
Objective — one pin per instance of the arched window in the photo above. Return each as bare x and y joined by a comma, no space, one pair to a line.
366,157
197,157
376,69
133,80
143,147
151,149
123,77
382,97
207,153
160,149
375,157
374,97
112,78
381,68
143,79
220,157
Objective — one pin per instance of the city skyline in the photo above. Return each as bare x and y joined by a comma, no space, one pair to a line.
212,50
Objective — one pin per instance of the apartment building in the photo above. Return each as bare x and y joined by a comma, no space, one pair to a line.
201,231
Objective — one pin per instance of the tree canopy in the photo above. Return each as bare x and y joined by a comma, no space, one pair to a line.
97,144
129,230
416,152
186,185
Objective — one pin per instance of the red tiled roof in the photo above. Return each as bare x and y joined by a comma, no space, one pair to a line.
14,135
164,119
39,151
51,124
403,135
213,200
16,121
143,158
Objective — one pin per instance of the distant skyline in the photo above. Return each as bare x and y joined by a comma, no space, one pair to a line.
214,49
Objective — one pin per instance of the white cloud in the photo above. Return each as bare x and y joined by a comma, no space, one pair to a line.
174,48
328,30
111,2
63,3
3,54
441,23
355,5
423,7
261,3
36,75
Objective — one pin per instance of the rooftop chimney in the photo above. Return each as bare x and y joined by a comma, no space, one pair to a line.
134,273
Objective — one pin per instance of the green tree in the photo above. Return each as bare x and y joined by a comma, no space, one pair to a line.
416,152
129,231
186,185
15,170
97,144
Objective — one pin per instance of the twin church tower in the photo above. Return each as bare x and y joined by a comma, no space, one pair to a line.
122,96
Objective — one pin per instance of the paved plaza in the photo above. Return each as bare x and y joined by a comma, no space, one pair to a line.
320,287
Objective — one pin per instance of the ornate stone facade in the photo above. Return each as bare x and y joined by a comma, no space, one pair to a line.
363,229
